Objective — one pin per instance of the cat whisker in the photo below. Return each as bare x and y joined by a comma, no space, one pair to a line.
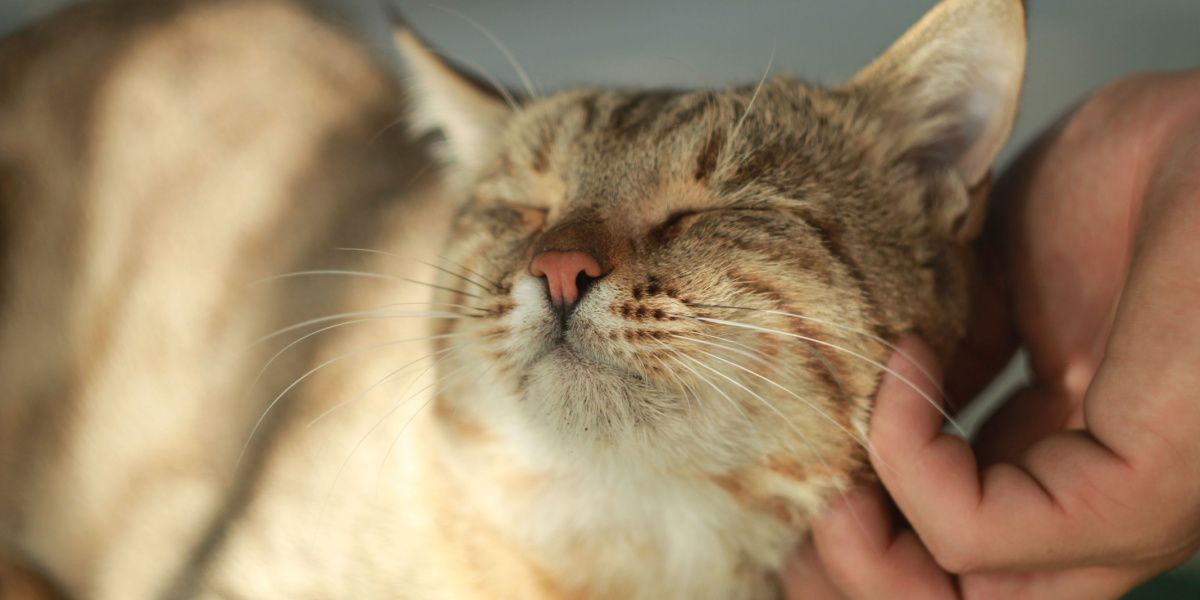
396,439
749,352
310,372
799,434
419,172
281,351
857,437
753,97
391,446
848,351
679,382
366,274
752,393
463,277
383,419
378,383
508,55
378,423
768,359
733,403
507,96
443,288
808,347
390,124
376,312
833,375
733,342
396,406
495,285
313,272
368,251
933,380
490,290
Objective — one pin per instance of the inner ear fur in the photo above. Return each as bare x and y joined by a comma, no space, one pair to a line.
468,111
946,96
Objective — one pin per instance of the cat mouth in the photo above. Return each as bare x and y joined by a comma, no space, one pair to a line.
569,358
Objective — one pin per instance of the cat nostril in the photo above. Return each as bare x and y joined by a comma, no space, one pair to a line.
569,275
583,282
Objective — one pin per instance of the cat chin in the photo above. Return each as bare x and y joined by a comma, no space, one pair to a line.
580,395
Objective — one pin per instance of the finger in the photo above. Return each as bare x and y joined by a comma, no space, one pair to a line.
804,577
1084,583
1060,507
931,476
855,543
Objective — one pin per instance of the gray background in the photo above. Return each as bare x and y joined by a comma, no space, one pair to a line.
1075,46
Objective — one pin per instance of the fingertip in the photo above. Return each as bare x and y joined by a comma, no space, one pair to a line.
908,404
804,578
855,530
862,554
932,477
858,518
915,361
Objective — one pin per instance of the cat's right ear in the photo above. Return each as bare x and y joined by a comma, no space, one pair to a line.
469,113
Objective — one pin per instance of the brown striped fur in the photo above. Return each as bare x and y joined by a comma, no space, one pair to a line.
639,451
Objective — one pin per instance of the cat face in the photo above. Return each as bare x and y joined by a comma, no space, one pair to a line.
715,275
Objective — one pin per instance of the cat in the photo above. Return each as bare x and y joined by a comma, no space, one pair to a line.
641,362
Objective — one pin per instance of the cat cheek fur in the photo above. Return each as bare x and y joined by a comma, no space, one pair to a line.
672,438
759,246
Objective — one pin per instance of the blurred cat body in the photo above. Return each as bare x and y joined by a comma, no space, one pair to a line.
669,434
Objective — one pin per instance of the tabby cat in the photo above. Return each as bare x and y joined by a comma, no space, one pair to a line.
235,363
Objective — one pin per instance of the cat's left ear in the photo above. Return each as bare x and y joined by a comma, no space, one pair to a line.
947,91
468,112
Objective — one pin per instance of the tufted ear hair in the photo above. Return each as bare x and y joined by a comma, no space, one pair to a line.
947,90
469,113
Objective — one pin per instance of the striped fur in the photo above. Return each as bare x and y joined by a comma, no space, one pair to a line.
673,441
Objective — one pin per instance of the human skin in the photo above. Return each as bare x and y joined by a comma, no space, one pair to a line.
1084,484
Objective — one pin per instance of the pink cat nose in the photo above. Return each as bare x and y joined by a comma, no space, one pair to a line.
568,274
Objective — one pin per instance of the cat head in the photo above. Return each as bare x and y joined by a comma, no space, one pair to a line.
716,274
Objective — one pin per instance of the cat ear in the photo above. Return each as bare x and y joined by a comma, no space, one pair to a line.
948,89
469,113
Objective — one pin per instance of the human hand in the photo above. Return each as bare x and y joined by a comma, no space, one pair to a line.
1085,483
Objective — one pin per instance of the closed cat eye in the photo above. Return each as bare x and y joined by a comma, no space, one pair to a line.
678,222
533,217
284,319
